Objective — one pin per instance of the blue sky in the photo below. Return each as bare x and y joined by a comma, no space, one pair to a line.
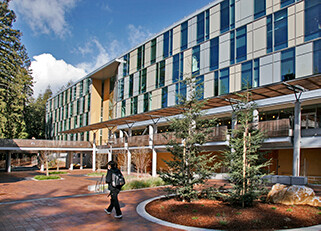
67,39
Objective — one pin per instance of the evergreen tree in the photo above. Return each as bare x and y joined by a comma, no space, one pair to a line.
15,78
35,114
244,161
190,165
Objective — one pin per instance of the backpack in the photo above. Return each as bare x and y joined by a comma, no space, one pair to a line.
117,179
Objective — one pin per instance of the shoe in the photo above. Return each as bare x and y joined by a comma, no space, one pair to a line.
118,217
106,211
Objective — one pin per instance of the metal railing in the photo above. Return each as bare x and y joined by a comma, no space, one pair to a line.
44,143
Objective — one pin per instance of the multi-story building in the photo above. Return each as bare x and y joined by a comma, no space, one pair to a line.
272,47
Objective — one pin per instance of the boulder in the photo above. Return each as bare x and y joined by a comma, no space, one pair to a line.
293,195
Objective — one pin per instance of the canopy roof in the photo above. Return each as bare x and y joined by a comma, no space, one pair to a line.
263,92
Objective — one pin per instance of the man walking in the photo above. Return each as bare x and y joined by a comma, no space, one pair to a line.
112,175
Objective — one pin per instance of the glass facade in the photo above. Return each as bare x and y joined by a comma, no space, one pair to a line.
160,74
184,35
280,29
247,75
214,51
241,44
224,82
196,61
168,44
312,19
288,64
259,8
317,57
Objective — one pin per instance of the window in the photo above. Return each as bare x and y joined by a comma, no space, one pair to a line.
153,51
317,57
160,74
280,29
131,85
133,105
224,81
256,69
246,80
184,35
269,34
121,89
147,101
142,81
227,15
178,61
168,43
284,3
241,44
200,87
200,27
214,49
207,24
111,84
232,47
180,92
126,65
196,61
123,108
216,83
288,64
259,8
312,19
81,88
140,57
164,97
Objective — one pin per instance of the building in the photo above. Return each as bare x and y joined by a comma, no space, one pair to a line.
271,46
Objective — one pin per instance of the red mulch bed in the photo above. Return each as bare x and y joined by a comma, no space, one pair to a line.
220,215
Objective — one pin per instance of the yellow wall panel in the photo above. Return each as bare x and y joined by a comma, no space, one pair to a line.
133,62
176,40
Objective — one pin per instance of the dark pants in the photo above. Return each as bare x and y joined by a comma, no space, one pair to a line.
114,203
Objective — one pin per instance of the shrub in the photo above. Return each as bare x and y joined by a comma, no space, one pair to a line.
43,177
57,173
137,184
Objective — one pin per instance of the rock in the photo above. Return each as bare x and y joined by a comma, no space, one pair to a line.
293,195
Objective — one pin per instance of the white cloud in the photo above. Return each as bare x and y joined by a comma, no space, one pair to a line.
137,34
47,70
44,16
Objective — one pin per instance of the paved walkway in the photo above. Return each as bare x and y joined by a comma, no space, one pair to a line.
66,205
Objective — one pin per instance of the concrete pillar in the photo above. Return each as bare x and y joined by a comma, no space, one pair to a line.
234,121
42,162
8,162
129,158
154,153
297,139
81,160
256,117
94,153
71,165
110,154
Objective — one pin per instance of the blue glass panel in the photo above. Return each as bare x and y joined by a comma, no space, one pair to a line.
146,102
131,85
312,19
317,57
269,34
207,24
216,83
164,97
200,27
123,108
153,51
288,64
196,60
180,92
256,77
232,14
214,50
225,16
224,81
241,44
181,66
184,35
166,45
246,80
280,29
259,8
200,87
286,2
175,68
232,47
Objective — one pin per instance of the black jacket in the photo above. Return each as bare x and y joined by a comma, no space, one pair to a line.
109,178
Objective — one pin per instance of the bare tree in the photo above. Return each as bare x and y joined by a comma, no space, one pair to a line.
122,160
44,159
142,159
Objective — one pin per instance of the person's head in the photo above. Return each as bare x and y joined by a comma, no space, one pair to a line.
111,164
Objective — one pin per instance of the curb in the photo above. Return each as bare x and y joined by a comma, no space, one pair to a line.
140,209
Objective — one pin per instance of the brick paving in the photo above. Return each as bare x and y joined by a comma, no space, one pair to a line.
66,205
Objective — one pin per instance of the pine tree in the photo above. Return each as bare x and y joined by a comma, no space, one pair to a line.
244,161
190,165
15,78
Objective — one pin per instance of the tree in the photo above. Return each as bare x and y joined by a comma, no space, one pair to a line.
15,78
244,161
190,165
141,159
35,114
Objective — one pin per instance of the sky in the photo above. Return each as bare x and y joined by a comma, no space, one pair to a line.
68,39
